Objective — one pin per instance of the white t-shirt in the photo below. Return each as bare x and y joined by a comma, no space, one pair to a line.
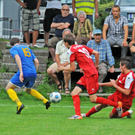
54,4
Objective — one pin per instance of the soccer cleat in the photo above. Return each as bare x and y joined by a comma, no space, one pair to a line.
119,108
76,117
131,112
83,115
20,109
48,103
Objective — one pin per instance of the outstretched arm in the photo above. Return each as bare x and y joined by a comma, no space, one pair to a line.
36,63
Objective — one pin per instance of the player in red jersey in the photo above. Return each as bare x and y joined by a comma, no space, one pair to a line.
125,91
81,54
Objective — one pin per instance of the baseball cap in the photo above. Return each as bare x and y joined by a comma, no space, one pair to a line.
97,31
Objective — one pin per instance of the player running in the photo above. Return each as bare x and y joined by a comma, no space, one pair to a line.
125,91
26,74
81,54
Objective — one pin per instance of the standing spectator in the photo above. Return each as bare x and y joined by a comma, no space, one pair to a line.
61,22
61,56
53,8
30,17
82,29
117,26
87,7
27,64
105,55
82,54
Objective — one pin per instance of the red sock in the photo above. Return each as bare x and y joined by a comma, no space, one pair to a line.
124,114
76,101
104,101
91,111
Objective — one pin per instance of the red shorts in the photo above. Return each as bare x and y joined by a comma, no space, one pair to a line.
90,83
114,98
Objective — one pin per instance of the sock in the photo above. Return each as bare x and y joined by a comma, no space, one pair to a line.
125,114
104,101
12,94
76,102
91,111
36,94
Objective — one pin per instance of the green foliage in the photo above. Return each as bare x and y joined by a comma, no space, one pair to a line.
102,15
105,1
3,39
3,69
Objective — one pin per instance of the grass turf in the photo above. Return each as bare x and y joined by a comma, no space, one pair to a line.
36,120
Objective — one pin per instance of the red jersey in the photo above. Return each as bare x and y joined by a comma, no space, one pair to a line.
126,81
82,54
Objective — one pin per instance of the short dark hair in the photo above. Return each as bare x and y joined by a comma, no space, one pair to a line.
14,41
127,61
116,6
69,38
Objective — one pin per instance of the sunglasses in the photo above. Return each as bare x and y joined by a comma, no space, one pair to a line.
65,9
97,34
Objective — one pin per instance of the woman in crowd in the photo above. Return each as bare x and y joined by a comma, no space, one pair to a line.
82,29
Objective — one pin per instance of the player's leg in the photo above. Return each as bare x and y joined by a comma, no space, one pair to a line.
52,74
37,95
76,102
12,94
93,110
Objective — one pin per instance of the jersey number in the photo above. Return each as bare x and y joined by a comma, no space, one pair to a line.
26,52
85,51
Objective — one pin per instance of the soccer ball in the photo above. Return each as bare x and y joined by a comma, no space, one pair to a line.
55,97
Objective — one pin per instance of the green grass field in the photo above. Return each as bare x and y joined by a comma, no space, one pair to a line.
36,120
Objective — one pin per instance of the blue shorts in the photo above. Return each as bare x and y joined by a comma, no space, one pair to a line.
28,82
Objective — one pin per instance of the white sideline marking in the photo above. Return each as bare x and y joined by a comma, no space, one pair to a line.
54,106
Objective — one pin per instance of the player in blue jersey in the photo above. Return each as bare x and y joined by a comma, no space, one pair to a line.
28,65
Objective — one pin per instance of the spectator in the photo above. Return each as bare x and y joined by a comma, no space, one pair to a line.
61,59
30,17
117,26
105,55
87,7
61,22
82,29
52,9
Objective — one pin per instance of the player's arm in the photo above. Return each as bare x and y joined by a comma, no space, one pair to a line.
71,68
19,64
24,5
109,84
36,62
122,90
96,58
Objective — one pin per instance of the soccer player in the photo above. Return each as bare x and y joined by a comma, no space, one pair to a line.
125,91
81,54
26,74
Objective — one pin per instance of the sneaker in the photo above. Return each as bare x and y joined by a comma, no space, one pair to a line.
27,45
76,117
131,112
83,115
48,103
20,109
119,109
36,46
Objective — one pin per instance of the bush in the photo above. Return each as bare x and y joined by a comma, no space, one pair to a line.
102,15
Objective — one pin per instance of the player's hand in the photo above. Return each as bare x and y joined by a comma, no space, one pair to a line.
21,77
113,82
23,4
124,43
